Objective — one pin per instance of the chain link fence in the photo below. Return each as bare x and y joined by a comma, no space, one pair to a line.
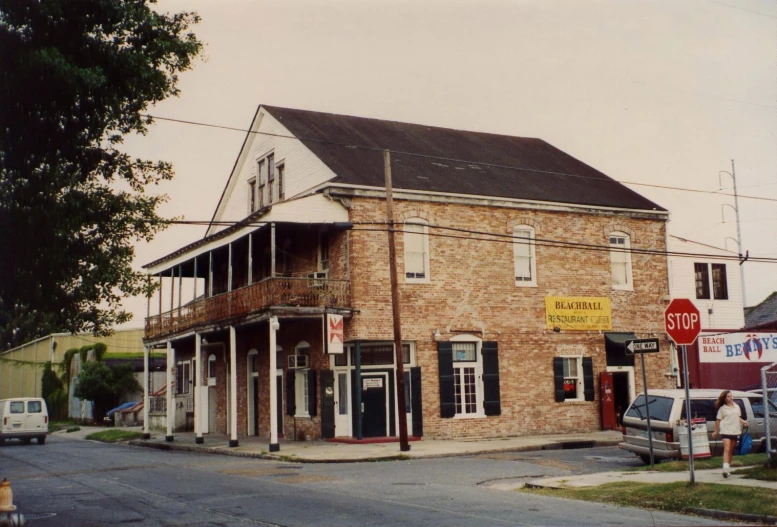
769,385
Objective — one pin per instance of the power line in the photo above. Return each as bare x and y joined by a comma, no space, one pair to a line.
503,238
450,159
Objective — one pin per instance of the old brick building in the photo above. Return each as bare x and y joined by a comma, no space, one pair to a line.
521,272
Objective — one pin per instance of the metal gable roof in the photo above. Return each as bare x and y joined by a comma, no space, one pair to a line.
423,158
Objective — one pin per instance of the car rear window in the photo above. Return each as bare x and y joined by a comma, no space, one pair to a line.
17,407
660,407
33,407
706,408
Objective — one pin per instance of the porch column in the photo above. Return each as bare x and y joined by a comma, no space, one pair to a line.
272,250
198,389
172,291
233,387
274,446
250,258
170,408
229,270
210,273
358,391
146,402
160,299
180,289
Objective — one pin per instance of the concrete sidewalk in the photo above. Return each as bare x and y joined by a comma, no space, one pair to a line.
330,452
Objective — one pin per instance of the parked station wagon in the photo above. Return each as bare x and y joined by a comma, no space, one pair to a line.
667,417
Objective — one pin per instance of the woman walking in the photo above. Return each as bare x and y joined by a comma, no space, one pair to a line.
729,425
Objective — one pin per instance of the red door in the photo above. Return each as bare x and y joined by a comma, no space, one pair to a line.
607,398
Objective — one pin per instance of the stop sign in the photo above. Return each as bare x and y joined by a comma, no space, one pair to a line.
682,320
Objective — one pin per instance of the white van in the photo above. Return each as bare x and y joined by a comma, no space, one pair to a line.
667,416
24,418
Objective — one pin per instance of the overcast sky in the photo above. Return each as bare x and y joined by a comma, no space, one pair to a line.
658,92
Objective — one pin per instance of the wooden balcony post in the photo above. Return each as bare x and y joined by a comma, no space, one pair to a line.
272,250
250,258
170,406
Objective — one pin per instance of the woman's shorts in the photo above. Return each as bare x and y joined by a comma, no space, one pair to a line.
729,436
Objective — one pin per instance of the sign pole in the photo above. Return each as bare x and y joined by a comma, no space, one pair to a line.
688,412
647,412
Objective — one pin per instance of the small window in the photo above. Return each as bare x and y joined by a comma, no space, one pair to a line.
523,253
341,359
34,407
416,241
280,169
261,179
212,370
323,252
17,407
573,378
719,282
702,275
620,261
342,393
251,195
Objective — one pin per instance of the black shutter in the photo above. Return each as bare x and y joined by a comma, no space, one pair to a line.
588,378
445,361
312,400
415,402
558,378
291,399
327,403
491,399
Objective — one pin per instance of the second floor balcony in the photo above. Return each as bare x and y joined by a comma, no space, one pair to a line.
248,300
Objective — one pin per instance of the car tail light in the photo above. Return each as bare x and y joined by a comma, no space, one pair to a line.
669,437
5,421
623,429
46,419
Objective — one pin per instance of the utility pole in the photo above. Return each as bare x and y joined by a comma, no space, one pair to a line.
404,446
742,258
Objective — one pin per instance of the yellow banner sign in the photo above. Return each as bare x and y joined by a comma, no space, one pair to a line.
578,312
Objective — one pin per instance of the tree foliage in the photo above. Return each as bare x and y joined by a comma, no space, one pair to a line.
77,77
104,385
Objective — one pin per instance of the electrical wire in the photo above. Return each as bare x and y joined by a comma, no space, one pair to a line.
507,238
450,159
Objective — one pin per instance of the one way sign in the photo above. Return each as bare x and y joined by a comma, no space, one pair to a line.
641,346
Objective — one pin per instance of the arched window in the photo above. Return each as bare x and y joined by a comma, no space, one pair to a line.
416,242
523,253
620,261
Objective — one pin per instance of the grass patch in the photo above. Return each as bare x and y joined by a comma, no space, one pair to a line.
114,436
673,497
702,464
762,472
56,426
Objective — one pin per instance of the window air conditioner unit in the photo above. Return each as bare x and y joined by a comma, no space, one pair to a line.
298,361
318,277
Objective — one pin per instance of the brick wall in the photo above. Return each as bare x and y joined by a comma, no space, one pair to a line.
472,290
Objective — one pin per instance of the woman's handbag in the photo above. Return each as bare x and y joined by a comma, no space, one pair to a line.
745,444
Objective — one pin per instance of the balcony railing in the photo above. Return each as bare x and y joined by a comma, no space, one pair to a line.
282,291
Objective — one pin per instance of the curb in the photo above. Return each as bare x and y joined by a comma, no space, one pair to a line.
558,445
725,515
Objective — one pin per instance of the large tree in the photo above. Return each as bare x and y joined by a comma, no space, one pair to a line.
77,77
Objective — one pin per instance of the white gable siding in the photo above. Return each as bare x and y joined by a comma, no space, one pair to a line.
303,170
726,314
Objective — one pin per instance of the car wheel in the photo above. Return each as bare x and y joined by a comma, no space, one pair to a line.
27,440
41,440
2,441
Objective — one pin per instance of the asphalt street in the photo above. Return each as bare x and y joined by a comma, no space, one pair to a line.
69,482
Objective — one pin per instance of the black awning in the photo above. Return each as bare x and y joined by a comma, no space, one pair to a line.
615,348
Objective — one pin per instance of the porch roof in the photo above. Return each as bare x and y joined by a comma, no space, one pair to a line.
310,210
